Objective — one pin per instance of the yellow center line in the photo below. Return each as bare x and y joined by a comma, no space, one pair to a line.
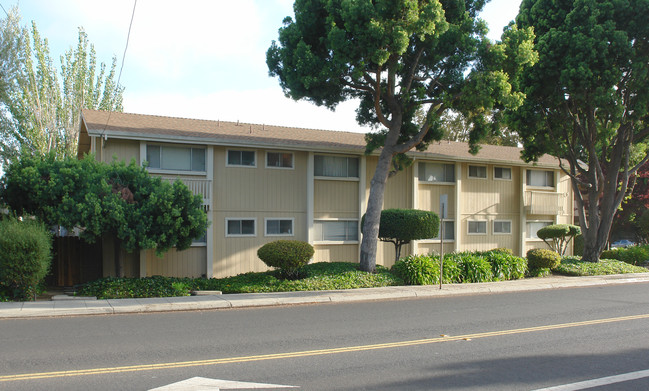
307,353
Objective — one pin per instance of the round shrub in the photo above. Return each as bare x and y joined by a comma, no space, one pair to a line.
25,256
539,258
286,255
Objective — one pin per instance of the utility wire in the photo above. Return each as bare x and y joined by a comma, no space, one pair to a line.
3,8
119,76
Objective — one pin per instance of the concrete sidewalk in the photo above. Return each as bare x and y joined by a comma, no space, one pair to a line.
70,306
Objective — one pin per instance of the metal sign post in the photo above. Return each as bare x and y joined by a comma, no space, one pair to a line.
443,200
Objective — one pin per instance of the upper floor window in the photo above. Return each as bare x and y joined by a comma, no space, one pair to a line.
436,172
241,158
478,172
540,178
503,173
336,166
175,158
279,160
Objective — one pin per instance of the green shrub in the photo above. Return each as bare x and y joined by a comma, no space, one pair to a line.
474,267
424,270
286,255
578,245
539,272
502,250
417,270
539,258
25,256
634,255
506,266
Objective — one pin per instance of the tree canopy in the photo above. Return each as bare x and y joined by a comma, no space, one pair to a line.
398,58
40,106
124,201
587,100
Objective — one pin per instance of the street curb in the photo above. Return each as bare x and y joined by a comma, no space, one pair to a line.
91,306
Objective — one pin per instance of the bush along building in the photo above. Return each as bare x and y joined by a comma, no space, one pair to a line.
261,183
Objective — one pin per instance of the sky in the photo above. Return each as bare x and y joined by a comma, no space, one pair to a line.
198,58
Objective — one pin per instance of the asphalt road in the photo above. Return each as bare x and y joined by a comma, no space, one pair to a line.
520,341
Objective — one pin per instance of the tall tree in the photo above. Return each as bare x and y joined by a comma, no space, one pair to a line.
40,112
588,100
458,128
398,57
121,201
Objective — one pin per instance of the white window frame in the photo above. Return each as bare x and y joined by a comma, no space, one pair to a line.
468,225
468,172
339,178
528,236
493,227
511,174
438,182
228,235
552,174
356,241
280,167
160,170
267,219
227,161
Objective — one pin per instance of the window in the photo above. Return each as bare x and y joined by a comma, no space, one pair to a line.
336,231
279,227
241,158
540,178
449,230
436,172
478,172
504,173
279,160
240,227
477,227
534,226
167,157
336,166
502,227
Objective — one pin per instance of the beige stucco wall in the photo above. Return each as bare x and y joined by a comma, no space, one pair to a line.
125,150
258,193
187,263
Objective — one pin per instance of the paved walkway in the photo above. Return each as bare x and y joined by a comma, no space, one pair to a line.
70,306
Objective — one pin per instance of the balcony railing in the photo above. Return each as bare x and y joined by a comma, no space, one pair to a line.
544,203
201,187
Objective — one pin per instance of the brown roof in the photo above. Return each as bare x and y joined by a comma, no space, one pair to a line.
138,126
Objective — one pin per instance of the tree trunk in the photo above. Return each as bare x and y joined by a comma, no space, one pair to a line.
373,213
117,256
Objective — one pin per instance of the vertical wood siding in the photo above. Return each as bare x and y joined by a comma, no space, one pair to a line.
335,199
187,263
125,150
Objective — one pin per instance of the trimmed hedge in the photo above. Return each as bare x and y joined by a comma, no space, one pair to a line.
634,255
286,255
540,258
25,257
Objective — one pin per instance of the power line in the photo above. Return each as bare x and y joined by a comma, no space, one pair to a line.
119,76
3,8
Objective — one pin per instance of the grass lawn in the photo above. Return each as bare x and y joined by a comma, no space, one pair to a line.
572,266
317,276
